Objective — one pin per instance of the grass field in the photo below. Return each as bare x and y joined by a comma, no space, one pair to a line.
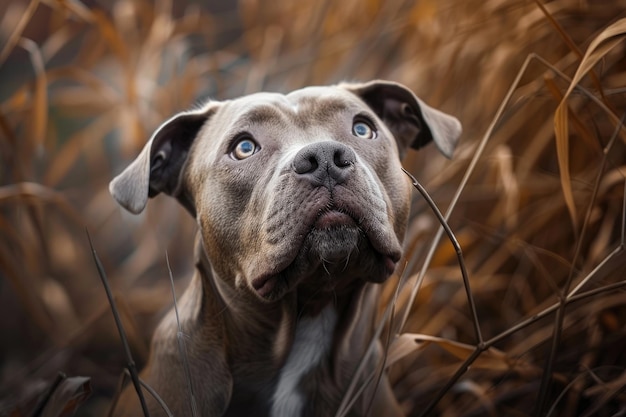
535,194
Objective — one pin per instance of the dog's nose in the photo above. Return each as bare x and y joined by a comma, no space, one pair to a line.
324,163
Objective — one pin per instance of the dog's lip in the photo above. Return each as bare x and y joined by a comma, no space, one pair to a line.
390,263
337,216
265,284
329,218
333,218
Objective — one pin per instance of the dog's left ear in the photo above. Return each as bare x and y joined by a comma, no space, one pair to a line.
411,121
159,166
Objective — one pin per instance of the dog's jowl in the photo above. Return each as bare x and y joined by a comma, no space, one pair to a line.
302,207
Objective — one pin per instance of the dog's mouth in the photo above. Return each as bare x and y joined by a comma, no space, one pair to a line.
337,245
334,218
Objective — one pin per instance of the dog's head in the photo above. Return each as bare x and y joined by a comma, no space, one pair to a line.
304,188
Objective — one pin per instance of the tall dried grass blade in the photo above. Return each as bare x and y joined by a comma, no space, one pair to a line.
151,391
592,200
459,253
30,191
578,124
31,301
610,389
402,346
468,173
56,42
5,128
17,101
599,47
157,397
66,157
490,358
560,316
569,42
67,396
623,216
450,383
121,382
112,37
565,390
75,6
41,404
130,365
350,396
39,121
181,343
614,255
17,32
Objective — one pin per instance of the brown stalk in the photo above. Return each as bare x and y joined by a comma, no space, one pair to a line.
180,335
572,46
558,322
16,34
470,170
130,364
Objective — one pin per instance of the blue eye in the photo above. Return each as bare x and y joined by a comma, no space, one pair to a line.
245,148
363,130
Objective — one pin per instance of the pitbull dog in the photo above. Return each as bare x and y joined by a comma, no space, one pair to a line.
302,207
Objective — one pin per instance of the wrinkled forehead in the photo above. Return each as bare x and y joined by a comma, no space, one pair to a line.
311,105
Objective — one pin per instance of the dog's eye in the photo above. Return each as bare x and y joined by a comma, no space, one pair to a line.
245,148
361,129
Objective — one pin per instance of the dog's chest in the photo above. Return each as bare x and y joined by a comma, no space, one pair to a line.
312,343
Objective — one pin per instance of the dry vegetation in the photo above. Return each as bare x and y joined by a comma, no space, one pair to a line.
536,203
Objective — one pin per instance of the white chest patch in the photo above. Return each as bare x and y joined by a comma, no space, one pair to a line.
312,341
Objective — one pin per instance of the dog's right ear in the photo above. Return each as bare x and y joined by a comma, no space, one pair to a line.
159,166
412,122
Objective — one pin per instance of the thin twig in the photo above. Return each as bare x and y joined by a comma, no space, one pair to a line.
130,363
575,297
470,170
606,151
623,215
388,341
19,29
459,254
560,316
350,396
571,45
157,397
118,391
489,343
476,322
478,153
458,374
181,343
39,408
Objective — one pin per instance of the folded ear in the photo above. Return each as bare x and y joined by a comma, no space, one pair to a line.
159,166
411,121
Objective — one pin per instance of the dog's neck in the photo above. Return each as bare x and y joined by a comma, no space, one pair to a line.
267,345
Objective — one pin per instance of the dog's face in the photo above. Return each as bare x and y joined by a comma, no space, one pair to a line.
297,189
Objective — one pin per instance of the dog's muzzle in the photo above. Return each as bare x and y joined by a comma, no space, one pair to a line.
333,234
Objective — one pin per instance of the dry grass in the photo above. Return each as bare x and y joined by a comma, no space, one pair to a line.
536,203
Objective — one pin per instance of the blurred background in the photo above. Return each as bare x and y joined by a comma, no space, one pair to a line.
539,216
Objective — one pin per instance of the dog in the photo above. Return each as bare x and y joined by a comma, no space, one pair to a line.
302,208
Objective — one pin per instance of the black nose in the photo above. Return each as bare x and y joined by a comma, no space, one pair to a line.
324,163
